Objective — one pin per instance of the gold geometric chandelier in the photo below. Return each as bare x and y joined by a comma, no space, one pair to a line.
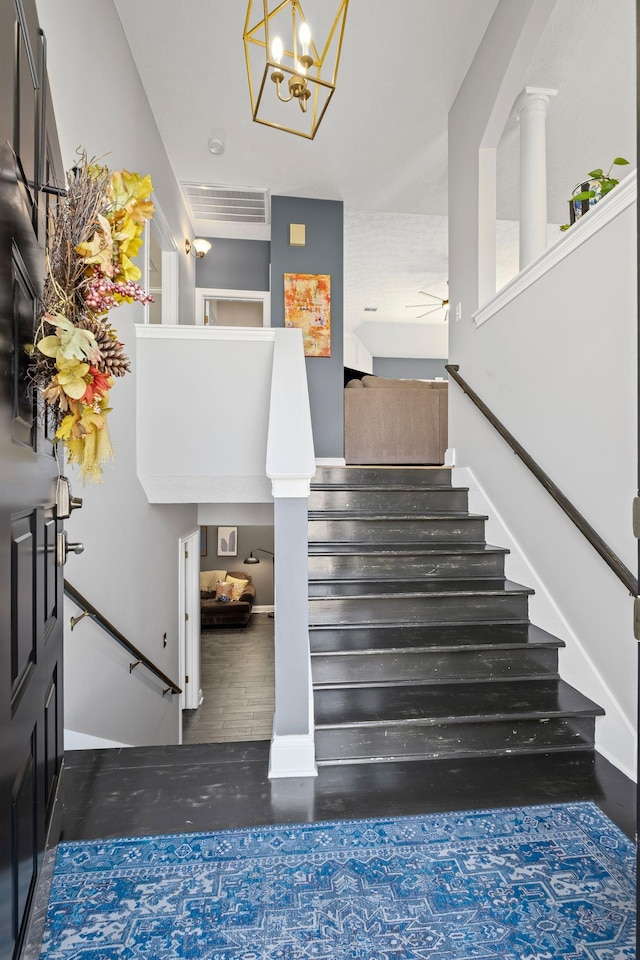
292,68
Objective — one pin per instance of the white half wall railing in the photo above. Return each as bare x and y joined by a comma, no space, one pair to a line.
223,416
202,413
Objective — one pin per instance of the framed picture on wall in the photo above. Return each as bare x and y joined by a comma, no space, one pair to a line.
227,541
307,305
203,541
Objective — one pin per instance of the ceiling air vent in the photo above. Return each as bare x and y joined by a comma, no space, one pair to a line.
219,204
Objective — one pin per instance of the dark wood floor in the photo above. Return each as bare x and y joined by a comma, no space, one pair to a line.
200,787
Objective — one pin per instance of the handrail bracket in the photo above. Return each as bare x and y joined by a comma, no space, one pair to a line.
75,620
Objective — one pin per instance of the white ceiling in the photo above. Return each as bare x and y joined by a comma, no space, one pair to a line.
382,146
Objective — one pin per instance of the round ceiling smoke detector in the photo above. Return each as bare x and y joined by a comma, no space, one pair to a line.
216,146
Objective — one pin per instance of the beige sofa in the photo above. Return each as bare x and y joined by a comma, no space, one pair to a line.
395,421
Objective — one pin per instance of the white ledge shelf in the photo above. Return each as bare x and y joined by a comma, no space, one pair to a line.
611,206
189,331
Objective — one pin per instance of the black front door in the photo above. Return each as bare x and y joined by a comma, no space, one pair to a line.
31,727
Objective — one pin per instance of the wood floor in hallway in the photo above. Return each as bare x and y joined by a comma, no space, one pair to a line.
237,682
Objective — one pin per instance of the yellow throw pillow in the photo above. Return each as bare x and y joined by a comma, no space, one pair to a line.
209,578
238,586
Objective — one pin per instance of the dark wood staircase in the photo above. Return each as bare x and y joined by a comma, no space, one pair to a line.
420,647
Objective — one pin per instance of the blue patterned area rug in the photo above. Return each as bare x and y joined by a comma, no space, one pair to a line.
527,883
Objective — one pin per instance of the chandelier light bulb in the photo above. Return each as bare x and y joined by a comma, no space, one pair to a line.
277,50
305,37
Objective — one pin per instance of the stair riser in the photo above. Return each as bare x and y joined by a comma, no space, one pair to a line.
411,476
454,740
448,530
408,610
389,501
433,667
454,566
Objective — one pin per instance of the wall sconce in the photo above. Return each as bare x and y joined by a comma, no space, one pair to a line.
198,248
252,559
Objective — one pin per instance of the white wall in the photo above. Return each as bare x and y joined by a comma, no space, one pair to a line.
557,366
218,438
397,339
101,106
356,355
130,566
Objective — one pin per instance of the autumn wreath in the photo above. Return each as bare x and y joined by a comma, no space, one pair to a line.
94,236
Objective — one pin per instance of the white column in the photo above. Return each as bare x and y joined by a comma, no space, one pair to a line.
531,110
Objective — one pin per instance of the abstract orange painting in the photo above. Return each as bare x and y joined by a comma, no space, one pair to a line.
307,305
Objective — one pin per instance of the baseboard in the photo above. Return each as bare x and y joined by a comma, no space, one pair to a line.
331,462
617,763
74,740
450,457
292,756
264,608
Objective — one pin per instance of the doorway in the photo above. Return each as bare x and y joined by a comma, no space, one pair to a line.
232,308
237,660
160,270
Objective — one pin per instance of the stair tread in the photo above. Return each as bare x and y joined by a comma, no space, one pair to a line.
402,549
405,515
580,748
429,704
393,487
442,638
356,589
352,513
346,470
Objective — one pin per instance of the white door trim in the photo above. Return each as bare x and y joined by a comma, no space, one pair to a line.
189,629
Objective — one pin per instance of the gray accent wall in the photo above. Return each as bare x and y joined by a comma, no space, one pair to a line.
323,254
248,539
292,672
233,264
409,368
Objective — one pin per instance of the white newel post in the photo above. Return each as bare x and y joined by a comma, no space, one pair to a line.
531,110
290,465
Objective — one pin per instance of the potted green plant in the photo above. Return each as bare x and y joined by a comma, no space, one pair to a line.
588,192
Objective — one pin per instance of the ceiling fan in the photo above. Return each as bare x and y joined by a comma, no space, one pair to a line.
431,307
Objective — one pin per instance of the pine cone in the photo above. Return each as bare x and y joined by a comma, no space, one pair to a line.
117,366
113,359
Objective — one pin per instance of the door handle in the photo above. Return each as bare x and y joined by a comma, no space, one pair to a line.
64,548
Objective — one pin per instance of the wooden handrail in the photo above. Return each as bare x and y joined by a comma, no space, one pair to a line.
94,614
610,558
